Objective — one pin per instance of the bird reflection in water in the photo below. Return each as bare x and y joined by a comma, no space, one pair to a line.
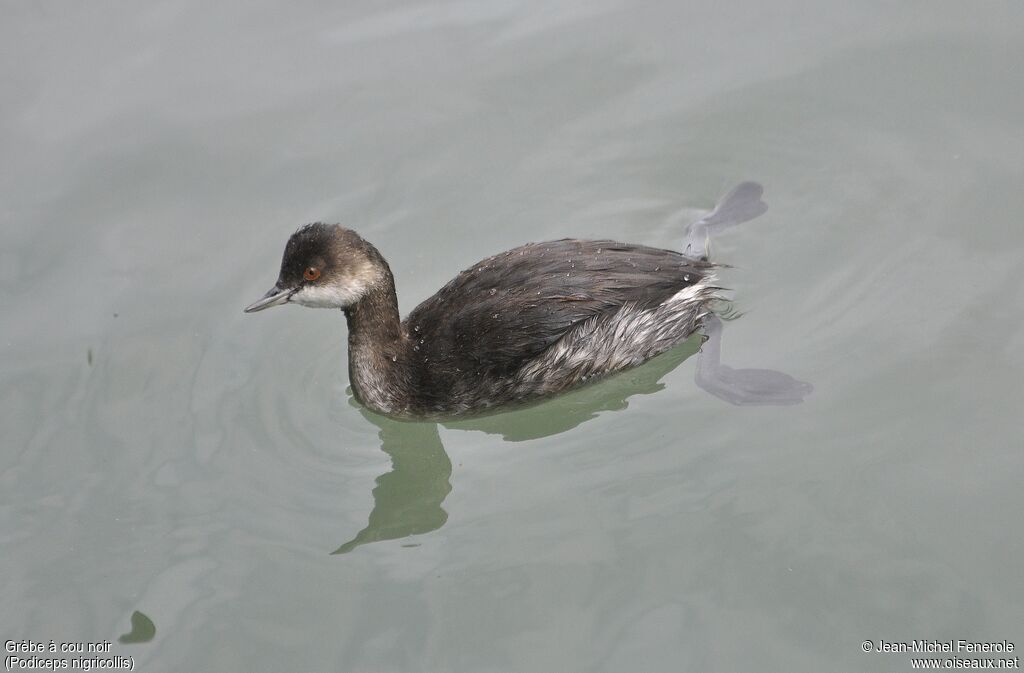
408,499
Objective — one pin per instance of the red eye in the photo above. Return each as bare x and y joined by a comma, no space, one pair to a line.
312,273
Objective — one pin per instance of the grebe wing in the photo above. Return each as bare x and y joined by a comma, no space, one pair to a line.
509,308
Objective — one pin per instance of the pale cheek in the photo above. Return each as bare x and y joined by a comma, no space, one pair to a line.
329,296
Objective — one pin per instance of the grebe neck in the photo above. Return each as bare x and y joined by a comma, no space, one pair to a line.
377,346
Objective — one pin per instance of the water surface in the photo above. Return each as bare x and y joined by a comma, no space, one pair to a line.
165,453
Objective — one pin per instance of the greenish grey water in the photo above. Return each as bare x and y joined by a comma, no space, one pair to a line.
166,454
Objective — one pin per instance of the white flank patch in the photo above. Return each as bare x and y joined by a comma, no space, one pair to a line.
608,343
691,293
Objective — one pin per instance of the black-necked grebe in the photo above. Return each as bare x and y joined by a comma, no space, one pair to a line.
532,321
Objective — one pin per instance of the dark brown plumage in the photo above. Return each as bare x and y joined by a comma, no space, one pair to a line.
508,309
530,321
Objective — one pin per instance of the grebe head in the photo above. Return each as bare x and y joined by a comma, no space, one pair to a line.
325,266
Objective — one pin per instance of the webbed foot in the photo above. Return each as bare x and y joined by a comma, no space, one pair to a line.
741,204
743,387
